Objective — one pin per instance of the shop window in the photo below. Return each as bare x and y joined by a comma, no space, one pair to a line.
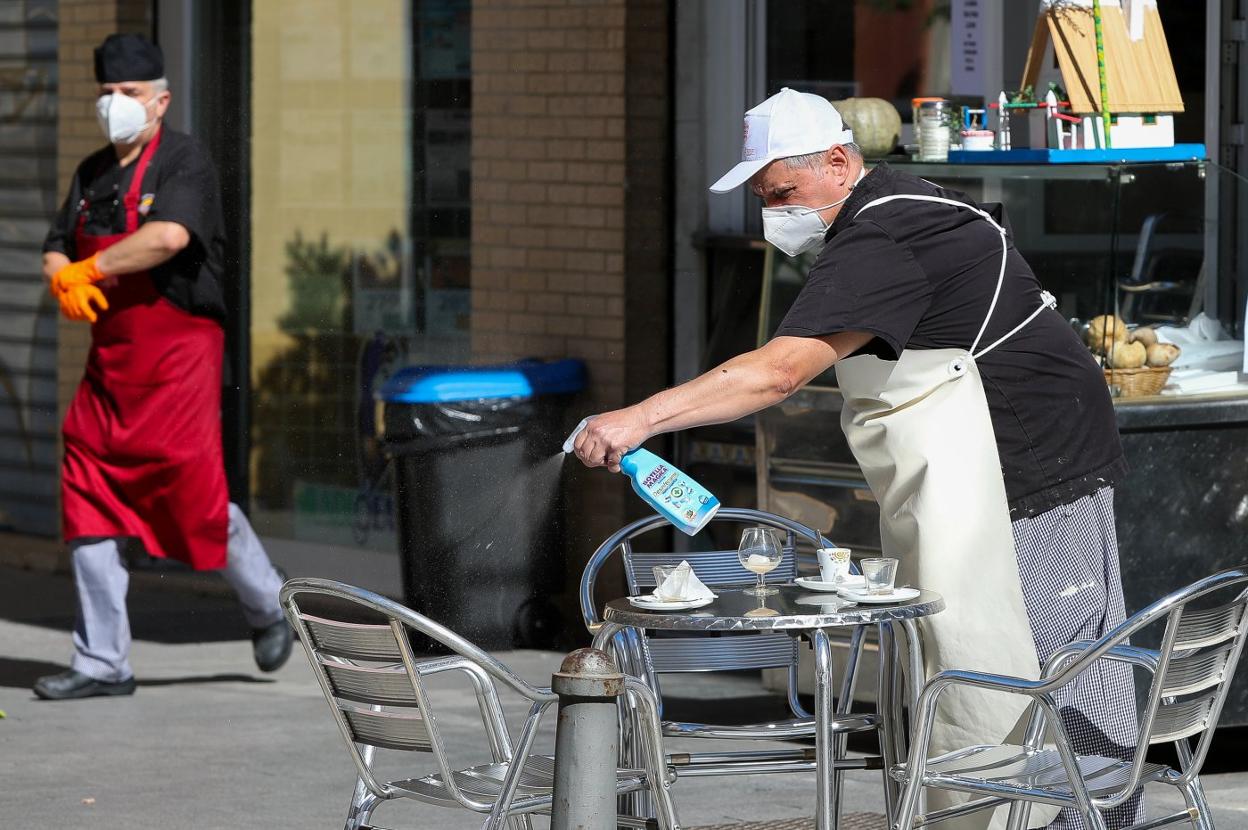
359,254
890,49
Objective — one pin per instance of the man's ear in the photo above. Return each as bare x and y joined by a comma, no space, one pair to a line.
838,161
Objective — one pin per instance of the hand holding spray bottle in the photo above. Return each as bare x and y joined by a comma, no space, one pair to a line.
673,494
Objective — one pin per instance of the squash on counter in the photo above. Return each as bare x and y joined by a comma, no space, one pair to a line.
1162,354
1105,333
875,122
1128,355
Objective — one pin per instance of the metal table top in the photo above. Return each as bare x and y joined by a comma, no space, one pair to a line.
793,607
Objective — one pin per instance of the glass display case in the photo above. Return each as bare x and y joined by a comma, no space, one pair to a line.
1130,239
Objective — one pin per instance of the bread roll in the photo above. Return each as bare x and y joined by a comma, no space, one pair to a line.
1128,355
1104,332
1162,354
1145,335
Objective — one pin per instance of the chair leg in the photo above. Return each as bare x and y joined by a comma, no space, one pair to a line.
909,803
912,791
664,805
1194,795
648,747
632,753
361,811
1020,811
1093,820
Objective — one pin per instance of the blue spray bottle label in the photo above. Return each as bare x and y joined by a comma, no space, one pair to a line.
672,493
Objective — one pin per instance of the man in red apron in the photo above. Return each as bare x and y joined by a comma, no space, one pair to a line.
980,421
137,250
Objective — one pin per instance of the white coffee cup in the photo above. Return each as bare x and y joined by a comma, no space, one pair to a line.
833,563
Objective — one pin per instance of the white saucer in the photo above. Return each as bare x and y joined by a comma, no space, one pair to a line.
816,584
647,602
898,595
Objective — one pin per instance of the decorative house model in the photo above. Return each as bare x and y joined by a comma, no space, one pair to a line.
1143,93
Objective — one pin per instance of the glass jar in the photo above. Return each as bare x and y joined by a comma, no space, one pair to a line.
932,122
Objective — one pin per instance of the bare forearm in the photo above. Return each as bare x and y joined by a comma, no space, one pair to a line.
745,384
734,389
151,245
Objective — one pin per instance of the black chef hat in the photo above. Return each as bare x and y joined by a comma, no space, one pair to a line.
128,58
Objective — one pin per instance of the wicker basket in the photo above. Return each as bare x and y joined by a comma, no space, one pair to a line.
1134,383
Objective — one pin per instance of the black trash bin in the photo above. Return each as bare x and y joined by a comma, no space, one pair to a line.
480,517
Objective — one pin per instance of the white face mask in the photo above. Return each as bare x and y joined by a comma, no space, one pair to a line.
121,117
795,229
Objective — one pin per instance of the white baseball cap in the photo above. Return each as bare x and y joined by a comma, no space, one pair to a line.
789,123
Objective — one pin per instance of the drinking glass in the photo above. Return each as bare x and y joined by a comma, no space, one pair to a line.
760,554
661,573
880,574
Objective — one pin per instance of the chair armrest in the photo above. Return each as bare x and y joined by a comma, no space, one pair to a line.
536,694
437,666
985,680
1145,658
1134,655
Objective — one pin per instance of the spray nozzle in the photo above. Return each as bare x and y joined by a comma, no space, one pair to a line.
569,444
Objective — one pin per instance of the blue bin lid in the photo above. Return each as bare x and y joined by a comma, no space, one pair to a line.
443,384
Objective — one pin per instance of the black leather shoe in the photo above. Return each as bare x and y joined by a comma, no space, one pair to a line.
271,645
73,685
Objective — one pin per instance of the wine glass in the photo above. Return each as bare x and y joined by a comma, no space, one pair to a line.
760,554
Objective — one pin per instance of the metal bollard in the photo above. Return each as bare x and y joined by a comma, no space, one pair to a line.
587,742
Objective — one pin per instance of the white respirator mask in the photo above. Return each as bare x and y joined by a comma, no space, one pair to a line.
122,118
795,229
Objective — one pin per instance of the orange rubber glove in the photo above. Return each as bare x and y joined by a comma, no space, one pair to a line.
77,300
82,272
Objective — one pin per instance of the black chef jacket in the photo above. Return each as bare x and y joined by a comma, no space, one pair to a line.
182,184
921,275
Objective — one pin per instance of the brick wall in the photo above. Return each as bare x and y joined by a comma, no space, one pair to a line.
83,25
570,230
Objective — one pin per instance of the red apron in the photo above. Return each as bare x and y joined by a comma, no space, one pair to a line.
143,434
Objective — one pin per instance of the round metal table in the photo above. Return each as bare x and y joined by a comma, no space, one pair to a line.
810,614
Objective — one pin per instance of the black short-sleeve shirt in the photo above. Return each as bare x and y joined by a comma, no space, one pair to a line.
180,185
921,275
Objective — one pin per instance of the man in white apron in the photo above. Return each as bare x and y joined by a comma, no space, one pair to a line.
981,422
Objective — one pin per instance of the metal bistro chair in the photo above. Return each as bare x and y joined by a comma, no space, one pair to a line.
649,657
376,688
1191,675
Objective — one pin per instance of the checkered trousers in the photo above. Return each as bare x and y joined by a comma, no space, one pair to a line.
1068,566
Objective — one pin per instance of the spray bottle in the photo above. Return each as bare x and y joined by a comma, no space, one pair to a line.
673,494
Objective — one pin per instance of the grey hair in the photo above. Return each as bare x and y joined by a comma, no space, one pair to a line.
812,161
160,85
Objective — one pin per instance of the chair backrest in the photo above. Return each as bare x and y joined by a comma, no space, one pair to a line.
1196,662
1204,631
375,686
700,653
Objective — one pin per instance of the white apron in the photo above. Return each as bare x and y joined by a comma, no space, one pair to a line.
920,429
